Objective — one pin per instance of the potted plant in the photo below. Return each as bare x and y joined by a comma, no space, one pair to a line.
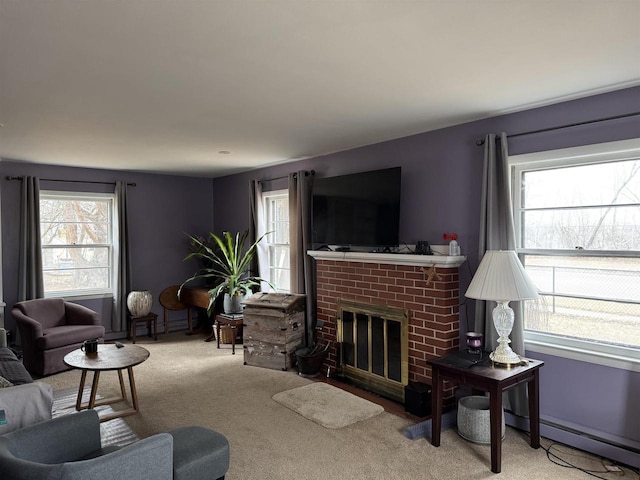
226,266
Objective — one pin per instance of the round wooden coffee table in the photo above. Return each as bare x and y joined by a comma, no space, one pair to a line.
108,357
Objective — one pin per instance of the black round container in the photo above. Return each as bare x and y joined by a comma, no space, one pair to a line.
309,365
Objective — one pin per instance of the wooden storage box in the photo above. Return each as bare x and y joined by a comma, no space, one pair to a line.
274,328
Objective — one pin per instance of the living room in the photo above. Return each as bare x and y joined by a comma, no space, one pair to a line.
586,404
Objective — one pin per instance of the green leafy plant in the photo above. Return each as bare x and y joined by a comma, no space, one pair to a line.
226,264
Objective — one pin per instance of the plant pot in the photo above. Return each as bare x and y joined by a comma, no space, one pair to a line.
232,304
139,302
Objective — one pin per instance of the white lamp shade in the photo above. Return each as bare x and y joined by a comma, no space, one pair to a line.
501,277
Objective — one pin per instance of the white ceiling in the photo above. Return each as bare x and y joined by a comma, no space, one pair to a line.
166,85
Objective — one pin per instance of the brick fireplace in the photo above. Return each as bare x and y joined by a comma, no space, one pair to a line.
426,287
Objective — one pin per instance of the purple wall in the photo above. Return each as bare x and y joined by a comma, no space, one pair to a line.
161,210
441,174
441,170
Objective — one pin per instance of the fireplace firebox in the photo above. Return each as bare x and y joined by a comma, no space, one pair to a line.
373,342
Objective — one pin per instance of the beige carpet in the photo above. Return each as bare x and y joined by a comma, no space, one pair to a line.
112,432
327,405
187,381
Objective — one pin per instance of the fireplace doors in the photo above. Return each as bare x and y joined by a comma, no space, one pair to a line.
373,343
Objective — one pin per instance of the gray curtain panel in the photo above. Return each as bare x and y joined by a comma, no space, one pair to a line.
253,225
30,278
302,266
122,264
259,265
497,232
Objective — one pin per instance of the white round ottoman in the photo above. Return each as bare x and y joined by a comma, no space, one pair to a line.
473,419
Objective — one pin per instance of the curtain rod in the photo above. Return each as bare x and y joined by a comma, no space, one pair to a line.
480,142
71,181
307,173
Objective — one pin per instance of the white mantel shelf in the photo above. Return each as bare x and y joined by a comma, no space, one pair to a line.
443,261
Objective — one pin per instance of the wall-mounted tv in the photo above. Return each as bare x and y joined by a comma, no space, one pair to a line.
361,209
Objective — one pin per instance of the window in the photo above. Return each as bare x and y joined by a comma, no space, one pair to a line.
577,216
276,214
77,243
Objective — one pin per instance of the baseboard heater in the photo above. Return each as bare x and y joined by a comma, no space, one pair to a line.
589,436
588,442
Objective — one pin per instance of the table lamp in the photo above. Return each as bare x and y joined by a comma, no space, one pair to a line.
502,278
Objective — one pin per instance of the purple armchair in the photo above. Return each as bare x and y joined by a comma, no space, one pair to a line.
50,328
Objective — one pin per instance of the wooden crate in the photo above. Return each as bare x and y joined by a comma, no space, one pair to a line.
274,328
270,355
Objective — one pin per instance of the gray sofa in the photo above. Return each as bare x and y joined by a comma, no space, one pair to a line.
23,401
69,447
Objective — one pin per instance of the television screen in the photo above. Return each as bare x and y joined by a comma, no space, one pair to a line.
361,209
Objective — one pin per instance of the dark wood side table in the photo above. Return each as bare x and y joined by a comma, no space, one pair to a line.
479,373
151,319
231,323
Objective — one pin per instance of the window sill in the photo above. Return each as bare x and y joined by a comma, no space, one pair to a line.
581,355
84,296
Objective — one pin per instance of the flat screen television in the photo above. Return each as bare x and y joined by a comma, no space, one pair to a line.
361,209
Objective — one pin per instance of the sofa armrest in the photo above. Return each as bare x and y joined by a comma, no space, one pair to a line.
148,459
27,323
62,439
25,405
80,315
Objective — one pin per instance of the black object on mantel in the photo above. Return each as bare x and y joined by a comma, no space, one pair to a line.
423,248
417,399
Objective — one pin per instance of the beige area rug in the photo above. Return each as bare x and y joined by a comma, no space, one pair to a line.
327,405
113,432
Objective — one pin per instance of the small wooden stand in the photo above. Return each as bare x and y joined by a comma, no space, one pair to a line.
231,323
151,319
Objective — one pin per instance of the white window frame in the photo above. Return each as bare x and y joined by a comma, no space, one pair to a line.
96,292
582,350
267,197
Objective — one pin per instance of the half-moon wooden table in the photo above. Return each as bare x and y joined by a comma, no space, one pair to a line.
109,357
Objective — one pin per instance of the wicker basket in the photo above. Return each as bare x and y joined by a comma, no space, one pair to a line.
226,334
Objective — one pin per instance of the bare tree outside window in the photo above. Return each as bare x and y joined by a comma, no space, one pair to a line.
579,229
76,233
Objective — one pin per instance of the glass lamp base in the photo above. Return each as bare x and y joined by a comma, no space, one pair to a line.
507,360
503,322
